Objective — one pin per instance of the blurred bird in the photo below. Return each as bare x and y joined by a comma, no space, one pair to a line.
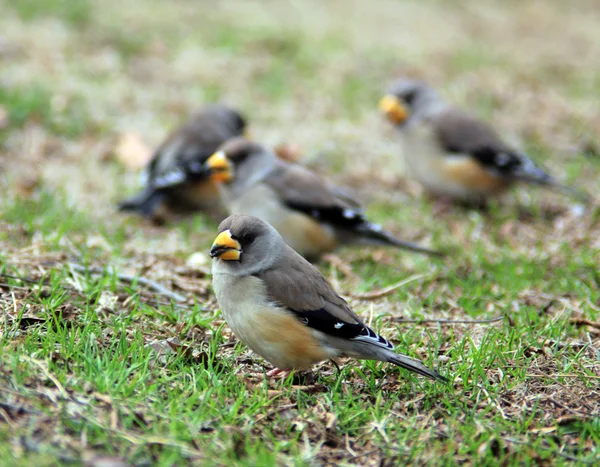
313,216
451,153
175,179
280,305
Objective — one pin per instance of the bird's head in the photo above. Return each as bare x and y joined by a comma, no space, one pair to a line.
246,245
407,99
238,161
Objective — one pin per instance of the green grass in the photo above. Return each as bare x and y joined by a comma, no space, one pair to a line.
73,13
85,368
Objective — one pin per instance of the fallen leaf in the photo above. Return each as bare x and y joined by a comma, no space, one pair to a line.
178,347
106,303
288,152
173,345
26,185
98,241
132,152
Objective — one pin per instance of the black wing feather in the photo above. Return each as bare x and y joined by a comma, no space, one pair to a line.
337,216
323,321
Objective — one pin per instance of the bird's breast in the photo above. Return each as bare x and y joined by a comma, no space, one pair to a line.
269,330
455,175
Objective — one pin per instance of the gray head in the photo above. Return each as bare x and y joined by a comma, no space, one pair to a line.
228,118
245,245
240,163
409,99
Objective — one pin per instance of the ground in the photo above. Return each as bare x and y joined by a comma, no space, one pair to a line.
96,370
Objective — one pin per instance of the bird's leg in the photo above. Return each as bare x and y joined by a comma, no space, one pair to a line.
282,373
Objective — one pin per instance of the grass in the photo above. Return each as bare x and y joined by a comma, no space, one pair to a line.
95,369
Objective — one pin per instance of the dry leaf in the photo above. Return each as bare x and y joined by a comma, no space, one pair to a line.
106,303
26,185
288,152
132,152
98,241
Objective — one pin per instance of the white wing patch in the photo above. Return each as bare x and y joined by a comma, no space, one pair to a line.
370,336
170,178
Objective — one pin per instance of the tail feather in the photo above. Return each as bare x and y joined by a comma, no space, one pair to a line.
527,171
145,202
375,234
416,366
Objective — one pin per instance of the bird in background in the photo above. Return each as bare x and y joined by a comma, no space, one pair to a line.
282,307
175,181
453,154
313,216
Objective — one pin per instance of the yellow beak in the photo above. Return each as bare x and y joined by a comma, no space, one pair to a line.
393,109
225,247
220,167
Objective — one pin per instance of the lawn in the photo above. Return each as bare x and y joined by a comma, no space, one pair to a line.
99,369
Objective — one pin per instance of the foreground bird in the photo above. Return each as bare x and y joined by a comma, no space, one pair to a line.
280,305
175,179
451,153
313,216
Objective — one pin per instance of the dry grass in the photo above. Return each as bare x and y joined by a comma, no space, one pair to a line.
87,374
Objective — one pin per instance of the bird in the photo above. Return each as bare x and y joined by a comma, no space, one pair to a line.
174,179
453,154
313,216
280,305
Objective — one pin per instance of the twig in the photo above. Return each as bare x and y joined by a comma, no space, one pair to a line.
449,321
140,440
22,279
388,290
18,408
531,375
50,376
584,322
278,410
155,286
560,453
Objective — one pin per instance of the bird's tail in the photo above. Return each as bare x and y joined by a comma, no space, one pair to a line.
415,366
375,235
527,171
145,202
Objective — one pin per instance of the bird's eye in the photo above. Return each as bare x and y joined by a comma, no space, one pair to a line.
240,157
409,97
247,239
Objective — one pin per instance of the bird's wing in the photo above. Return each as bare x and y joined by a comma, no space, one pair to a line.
302,190
460,133
181,157
297,286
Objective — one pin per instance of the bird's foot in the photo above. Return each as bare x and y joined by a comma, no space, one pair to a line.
282,373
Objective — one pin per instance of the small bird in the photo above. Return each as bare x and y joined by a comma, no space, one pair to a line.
313,216
453,154
175,179
282,307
